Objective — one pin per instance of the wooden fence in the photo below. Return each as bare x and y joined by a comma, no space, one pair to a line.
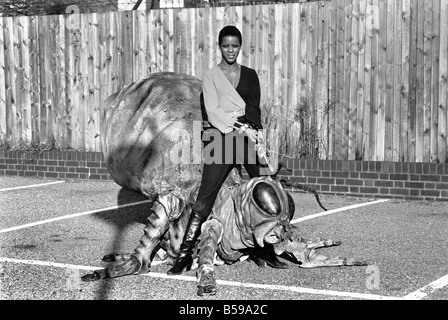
372,73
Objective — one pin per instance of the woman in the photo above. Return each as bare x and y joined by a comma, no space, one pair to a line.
231,95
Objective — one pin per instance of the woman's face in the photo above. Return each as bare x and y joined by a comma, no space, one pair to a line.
230,48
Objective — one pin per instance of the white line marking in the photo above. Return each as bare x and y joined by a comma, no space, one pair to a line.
221,282
60,265
281,288
428,289
359,205
32,186
28,225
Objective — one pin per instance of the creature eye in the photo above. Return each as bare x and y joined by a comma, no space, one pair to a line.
266,199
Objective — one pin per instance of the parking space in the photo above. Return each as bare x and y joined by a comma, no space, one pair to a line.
53,234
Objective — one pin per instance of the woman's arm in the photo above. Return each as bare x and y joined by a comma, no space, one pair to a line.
253,112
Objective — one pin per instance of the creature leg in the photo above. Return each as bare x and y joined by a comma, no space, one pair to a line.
139,261
304,251
210,236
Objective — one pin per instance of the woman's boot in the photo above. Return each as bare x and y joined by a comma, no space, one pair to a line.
185,257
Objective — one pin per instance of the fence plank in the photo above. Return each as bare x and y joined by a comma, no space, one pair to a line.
370,19
389,106
303,49
94,66
427,77
412,138
382,68
60,81
322,79
360,90
420,114
434,89
353,50
339,106
3,111
332,89
404,90
443,83
397,60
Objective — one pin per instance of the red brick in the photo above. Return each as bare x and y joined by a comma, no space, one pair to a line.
429,177
325,181
381,183
94,164
369,175
369,183
339,188
404,192
354,175
368,190
397,176
442,186
354,182
51,175
337,174
414,185
430,193
399,184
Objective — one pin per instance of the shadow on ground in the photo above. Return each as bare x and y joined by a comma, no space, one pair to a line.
121,220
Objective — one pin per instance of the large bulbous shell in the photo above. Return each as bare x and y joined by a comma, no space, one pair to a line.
150,134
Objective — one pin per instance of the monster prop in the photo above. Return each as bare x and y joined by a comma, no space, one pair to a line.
145,123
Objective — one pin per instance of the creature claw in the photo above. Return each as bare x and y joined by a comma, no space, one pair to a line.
95,276
207,283
109,258
361,263
210,289
124,268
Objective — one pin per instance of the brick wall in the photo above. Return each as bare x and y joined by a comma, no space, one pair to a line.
398,180
54,164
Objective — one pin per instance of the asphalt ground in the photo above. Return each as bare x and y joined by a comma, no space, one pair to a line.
52,234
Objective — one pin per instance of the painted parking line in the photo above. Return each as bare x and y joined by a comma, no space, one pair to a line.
302,290
321,214
60,265
428,289
32,186
33,224
29,225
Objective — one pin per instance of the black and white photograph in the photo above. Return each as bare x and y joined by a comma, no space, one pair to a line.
224,158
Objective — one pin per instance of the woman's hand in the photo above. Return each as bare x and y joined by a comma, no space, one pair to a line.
252,134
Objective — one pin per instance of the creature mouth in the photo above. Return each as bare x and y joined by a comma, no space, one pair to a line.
271,238
269,232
